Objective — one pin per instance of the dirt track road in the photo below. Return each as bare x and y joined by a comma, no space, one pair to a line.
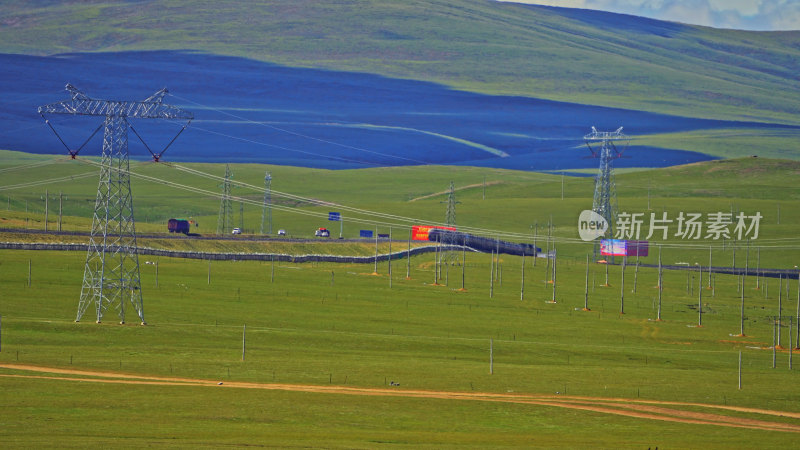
641,409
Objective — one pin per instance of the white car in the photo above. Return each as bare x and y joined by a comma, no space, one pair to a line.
281,232
236,231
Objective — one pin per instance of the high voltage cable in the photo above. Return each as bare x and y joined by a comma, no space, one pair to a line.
387,216
32,165
47,181
267,125
347,208
240,199
317,202
282,147
290,209
485,232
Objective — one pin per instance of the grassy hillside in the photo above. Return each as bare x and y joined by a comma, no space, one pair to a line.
562,54
516,204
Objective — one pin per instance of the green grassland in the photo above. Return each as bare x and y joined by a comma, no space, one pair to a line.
324,324
476,45
359,331
779,144
739,143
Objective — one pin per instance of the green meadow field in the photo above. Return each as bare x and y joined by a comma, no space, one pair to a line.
344,356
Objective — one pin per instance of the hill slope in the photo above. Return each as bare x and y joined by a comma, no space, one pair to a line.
554,53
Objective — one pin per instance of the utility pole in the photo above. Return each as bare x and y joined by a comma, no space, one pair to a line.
700,297
241,215
660,285
464,265
522,284
267,210
60,204
586,288
741,312
622,288
780,307
797,321
46,209
225,218
709,267
408,258
390,257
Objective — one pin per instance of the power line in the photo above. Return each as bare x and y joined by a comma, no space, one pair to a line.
280,147
320,215
407,220
389,219
32,165
47,181
225,219
295,133
267,202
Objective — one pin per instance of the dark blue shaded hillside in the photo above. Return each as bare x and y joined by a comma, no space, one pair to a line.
248,111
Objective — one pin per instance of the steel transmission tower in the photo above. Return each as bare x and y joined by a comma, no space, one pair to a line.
225,219
267,202
111,273
450,256
605,190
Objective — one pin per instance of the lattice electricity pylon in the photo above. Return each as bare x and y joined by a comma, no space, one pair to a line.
449,240
267,202
111,274
225,219
605,190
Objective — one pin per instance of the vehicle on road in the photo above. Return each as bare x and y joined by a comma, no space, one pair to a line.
178,226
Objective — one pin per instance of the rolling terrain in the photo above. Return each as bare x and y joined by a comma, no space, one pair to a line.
362,84
401,99
323,119
560,54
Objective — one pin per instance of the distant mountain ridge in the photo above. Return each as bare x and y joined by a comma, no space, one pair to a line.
579,56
